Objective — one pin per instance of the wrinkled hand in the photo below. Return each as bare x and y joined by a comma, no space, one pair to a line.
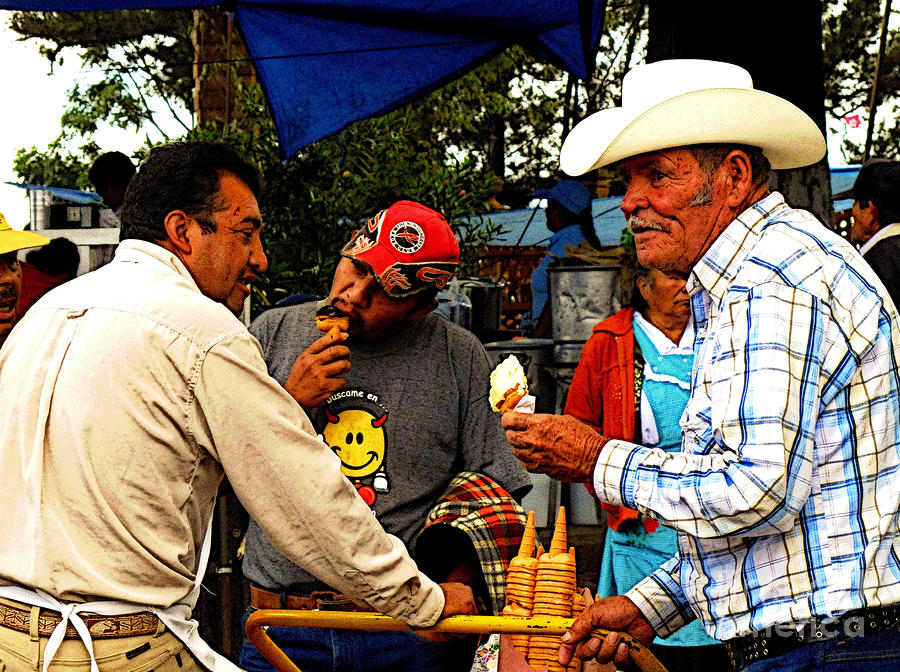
561,446
458,599
318,371
618,614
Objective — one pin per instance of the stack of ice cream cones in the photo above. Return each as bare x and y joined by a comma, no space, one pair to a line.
520,582
553,594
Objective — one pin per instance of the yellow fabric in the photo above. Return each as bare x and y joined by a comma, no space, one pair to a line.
12,240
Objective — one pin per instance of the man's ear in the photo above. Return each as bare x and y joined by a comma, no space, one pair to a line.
739,175
422,311
643,286
176,224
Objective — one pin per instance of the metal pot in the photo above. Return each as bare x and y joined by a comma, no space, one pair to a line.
580,297
485,296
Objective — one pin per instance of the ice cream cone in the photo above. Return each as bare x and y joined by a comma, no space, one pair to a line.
560,541
526,548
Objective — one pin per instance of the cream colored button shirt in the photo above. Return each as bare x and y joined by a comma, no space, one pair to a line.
125,396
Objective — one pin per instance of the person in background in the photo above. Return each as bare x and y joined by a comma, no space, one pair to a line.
11,241
570,220
125,400
632,382
402,399
876,219
110,174
45,268
786,490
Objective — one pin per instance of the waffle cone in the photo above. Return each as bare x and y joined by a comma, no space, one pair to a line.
526,548
560,541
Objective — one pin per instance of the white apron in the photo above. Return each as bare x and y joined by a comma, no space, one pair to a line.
176,618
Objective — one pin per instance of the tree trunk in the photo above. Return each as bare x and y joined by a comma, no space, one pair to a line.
780,44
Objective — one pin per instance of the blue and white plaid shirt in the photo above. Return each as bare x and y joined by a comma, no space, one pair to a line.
786,494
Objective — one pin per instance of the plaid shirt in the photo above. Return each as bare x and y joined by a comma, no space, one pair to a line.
492,520
786,492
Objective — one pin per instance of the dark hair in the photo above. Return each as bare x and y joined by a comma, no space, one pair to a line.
180,176
711,157
631,272
112,167
58,257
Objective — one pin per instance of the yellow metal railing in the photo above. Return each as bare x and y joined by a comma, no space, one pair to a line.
350,620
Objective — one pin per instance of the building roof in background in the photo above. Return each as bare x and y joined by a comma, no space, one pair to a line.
608,219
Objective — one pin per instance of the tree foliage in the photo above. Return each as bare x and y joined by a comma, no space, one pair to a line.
492,134
851,35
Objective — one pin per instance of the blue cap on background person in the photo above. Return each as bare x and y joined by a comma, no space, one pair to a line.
570,194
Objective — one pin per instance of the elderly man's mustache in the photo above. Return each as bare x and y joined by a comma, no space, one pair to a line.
637,223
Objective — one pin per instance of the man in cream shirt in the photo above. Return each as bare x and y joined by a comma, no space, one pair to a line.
125,398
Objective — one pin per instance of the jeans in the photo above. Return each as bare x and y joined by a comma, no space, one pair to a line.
327,650
878,652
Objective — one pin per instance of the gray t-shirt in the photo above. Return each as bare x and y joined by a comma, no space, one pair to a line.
413,414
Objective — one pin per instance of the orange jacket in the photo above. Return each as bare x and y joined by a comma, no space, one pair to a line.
602,392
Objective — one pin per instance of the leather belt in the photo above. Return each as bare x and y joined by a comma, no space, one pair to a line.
323,600
100,627
780,639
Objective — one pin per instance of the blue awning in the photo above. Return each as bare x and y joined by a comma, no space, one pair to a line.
71,195
326,63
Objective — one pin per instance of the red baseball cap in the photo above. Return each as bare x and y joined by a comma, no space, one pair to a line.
409,248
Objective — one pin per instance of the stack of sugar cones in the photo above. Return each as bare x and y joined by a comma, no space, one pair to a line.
553,594
520,582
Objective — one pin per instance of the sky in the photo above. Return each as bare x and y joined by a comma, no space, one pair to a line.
35,97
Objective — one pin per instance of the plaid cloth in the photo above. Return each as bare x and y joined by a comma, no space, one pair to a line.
493,521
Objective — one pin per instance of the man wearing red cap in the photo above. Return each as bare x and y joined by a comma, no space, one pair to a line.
401,398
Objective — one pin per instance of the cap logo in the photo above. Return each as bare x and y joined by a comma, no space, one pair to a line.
360,245
407,237
393,279
439,278
375,222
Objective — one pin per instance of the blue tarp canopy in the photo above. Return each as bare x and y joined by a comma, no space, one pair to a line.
71,195
326,63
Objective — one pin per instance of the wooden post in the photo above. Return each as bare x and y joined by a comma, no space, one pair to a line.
873,98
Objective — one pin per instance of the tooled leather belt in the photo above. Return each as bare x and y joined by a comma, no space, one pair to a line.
100,627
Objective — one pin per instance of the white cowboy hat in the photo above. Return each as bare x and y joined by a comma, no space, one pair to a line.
683,102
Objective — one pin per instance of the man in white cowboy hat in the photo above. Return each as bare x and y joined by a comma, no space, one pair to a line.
11,241
787,489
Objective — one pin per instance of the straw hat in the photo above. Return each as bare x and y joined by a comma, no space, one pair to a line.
12,240
682,102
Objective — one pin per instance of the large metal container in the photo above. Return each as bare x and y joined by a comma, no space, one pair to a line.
485,296
580,297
